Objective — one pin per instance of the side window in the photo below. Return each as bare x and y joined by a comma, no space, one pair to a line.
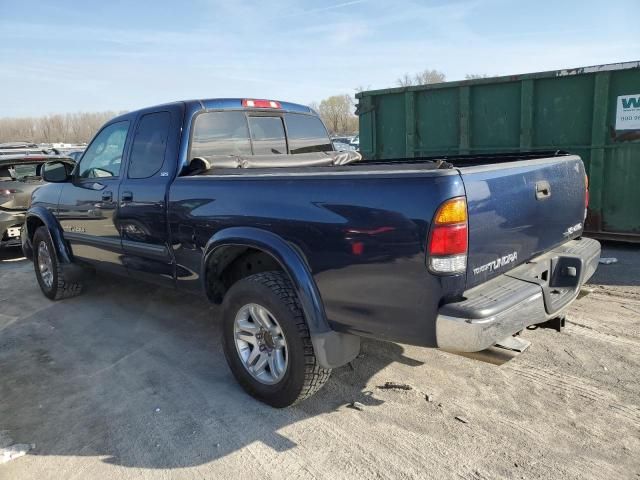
104,156
149,145
220,133
306,134
267,134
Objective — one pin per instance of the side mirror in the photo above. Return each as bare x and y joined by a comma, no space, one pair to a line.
56,172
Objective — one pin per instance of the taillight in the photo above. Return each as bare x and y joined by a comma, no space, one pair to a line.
448,242
7,192
260,103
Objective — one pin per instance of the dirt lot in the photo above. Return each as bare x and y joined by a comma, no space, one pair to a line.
129,381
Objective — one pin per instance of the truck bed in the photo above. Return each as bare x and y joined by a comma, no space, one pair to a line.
395,165
363,228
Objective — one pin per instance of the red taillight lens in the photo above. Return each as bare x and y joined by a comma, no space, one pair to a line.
448,240
448,243
260,103
7,192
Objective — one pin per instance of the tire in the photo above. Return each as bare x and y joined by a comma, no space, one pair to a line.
301,377
49,274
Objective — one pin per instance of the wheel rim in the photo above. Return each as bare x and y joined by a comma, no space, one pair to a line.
44,264
261,344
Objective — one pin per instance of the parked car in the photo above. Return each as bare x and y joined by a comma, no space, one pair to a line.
19,177
308,249
339,146
19,148
74,154
355,142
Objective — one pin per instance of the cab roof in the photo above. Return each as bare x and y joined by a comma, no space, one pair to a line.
223,104
234,103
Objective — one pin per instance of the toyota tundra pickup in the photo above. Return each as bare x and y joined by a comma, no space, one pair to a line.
307,249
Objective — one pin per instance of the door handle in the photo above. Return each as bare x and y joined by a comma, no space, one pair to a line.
107,196
127,196
543,189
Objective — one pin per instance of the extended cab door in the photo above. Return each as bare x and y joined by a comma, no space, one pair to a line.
142,215
88,205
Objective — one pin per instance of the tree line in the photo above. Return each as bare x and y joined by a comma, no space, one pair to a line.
65,128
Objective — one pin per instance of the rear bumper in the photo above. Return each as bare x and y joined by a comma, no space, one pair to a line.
527,295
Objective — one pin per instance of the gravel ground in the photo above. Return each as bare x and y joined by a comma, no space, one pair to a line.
129,381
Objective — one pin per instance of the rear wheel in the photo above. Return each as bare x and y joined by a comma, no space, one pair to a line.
267,343
48,271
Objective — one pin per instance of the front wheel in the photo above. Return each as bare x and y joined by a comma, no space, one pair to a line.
267,343
48,271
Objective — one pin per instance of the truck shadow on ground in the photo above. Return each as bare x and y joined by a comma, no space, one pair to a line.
137,375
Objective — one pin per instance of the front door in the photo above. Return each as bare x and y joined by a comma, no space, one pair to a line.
88,205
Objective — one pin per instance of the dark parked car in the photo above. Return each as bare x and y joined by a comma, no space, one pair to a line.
308,249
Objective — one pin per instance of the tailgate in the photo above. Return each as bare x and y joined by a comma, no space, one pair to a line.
520,210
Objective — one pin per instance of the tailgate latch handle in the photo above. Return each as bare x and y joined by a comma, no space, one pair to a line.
543,190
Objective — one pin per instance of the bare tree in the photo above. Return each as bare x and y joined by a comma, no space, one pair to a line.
337,114
314,106
405,81
425,77
429,76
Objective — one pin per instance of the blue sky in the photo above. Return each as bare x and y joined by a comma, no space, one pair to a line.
62,56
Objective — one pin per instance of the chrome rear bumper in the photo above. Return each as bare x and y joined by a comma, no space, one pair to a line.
532,293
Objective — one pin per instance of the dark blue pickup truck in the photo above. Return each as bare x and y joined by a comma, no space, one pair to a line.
308,249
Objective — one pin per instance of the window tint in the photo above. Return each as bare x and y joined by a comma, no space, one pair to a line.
220,133
267,134
149,144
104,155
306,134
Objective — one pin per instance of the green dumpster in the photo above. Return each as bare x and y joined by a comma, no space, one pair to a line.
591,111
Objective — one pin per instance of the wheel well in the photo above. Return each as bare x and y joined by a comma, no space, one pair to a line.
33,223
232,263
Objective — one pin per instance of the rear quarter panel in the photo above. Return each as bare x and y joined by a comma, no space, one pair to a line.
362,235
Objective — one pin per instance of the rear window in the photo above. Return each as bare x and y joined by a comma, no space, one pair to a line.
306,134
239,133
267,134
25,171
220,133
